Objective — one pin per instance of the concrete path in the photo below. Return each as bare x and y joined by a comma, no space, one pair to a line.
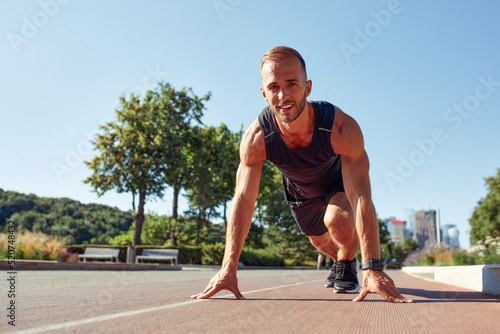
278,301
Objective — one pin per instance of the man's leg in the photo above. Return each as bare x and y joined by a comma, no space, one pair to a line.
341,243
339,219
325,245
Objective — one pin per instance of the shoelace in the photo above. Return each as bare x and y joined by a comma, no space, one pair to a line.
333,271
342,265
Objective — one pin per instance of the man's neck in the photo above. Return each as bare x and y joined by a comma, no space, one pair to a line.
298,134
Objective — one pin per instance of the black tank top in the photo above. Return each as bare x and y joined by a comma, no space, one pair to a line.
309,172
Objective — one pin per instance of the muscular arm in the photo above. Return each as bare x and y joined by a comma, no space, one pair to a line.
347,140
252,156
247,189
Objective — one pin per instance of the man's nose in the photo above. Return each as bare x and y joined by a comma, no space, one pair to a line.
283,93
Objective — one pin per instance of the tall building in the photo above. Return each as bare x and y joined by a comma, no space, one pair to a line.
424,224
398,231
408,216
450,235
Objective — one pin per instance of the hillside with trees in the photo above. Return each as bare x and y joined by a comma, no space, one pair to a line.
63,217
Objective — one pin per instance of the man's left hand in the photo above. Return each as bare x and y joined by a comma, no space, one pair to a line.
379,282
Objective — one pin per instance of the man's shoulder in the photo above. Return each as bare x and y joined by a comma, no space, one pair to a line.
253,132
252,144
346,134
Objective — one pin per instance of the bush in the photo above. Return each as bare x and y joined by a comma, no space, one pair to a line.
415,258
261,257
190,254
125,239
32,246
428,260
463,258
66,256
213,254
491,255
442,255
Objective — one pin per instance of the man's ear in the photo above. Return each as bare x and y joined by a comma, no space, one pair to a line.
308,87
263,91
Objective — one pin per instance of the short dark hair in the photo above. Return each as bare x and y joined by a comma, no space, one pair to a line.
282,52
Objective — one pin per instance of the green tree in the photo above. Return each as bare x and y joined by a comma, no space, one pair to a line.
485,220
227,152
386,246
155,231
385,237
130,158
178,112
212,158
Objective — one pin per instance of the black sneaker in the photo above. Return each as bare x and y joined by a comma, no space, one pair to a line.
330,281
346,279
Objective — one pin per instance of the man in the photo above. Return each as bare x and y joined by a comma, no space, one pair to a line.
320,151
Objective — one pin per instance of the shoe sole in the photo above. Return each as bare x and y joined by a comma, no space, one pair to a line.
355,290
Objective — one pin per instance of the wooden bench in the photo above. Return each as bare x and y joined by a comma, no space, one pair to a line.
154,254
96,253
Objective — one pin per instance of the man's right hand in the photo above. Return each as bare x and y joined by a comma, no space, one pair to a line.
221,281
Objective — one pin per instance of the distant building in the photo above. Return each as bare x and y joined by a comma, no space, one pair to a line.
450,235
387,223
398,231
424,224
408,216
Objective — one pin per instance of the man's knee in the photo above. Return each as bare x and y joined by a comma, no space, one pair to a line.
338,219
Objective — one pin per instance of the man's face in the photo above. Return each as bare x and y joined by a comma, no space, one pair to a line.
285,87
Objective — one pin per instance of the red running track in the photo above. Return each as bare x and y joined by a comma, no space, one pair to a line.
278,301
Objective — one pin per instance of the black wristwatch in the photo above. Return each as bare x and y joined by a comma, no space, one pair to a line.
373,264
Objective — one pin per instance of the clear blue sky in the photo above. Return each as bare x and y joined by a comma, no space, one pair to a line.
422,78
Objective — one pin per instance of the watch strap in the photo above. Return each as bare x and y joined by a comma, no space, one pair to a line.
375,264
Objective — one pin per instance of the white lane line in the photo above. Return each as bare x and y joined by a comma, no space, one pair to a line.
80,322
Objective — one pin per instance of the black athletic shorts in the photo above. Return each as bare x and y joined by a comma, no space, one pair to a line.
310,213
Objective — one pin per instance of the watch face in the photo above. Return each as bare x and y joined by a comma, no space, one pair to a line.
378,265
373,264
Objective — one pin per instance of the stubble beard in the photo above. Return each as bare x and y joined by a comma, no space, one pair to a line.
288,118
